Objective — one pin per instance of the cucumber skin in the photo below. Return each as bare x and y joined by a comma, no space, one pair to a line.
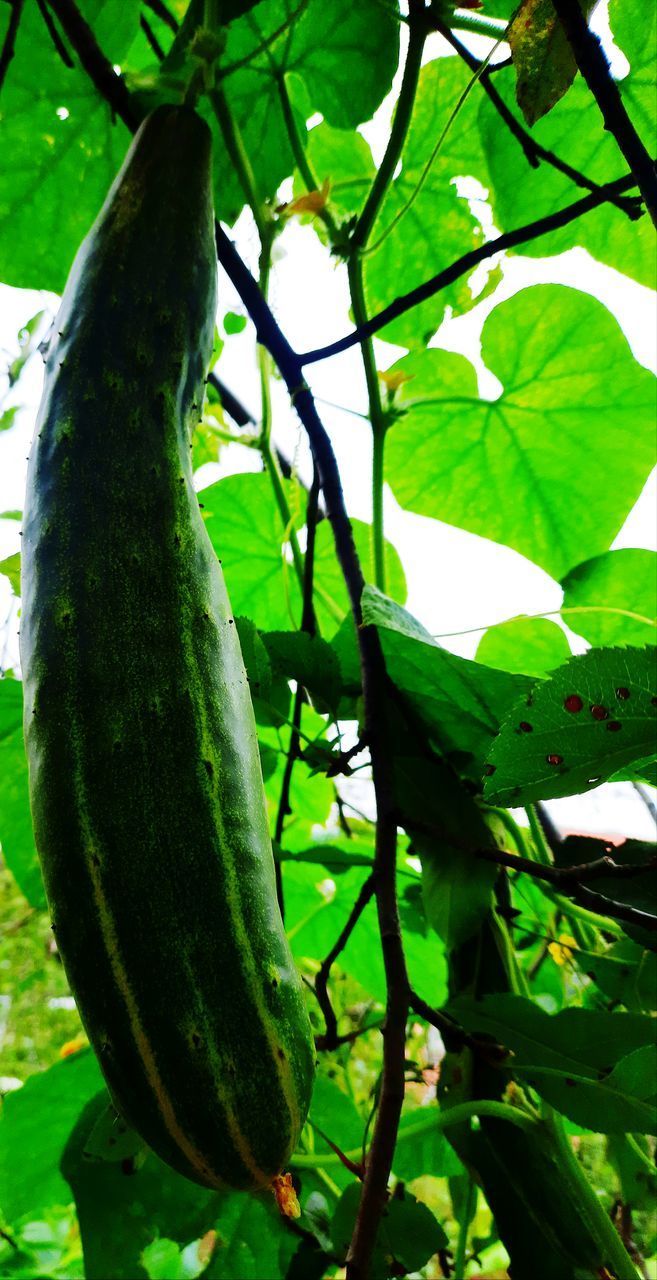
145,783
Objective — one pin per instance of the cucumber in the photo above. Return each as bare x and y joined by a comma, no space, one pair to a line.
145,784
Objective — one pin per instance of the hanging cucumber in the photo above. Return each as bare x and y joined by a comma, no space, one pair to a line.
146,790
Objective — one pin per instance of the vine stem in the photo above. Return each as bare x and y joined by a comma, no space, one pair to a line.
576,1186
463,265
464,1227
434,1123
594,67
358,246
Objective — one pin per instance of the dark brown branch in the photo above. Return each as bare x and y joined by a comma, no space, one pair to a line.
455,1036
568,880
330,1039
152,38
509,240
99,69
594,67
343,760
374,679
160,10
234,407
57,42
9,42
308,624
533,151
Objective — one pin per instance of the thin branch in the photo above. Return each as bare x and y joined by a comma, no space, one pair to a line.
160,10
57,42
9,42
99,68
330,1039
241,416
594,67
462,266
456,1035
531,147
308,624
568,880
403,111
151,37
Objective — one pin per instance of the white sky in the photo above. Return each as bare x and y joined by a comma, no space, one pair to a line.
457,581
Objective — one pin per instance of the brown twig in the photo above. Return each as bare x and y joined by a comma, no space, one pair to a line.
533,151
462,266
342,762
456,1035
160,10
594,67
151,37
568,880
308,624
57,42
330,1039
9,42
99,68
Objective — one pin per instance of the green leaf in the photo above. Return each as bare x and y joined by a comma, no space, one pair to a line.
520,194
48,205
638,1181
253,1241
597,1068
612,598
433,225
421,1151
344,159
347,55
309,660
485,466
256,659
457,887
39,1118
11,567
16,836
533,646
247,531
408,1236
123,1207
595,716
317,909
460,702
162,1260
111,1138
624,973
8,417
638,41
332,598
234,323
543,59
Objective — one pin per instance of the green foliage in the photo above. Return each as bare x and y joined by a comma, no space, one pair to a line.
564,362
550,468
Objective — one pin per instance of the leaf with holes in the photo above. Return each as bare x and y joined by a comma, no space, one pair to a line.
595,716
612,598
